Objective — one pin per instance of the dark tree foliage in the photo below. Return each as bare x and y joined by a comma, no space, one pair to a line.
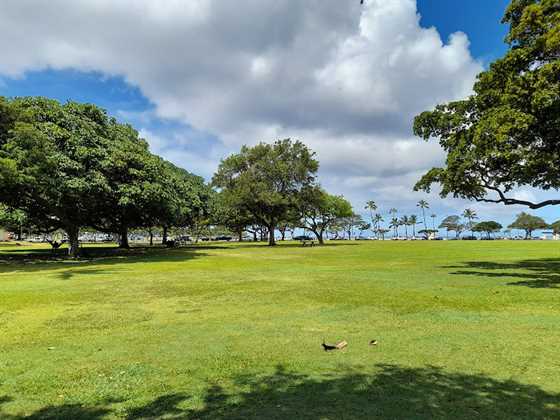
528,223
321,211
506,135
488,227
52,156
71,166
267,181
452,224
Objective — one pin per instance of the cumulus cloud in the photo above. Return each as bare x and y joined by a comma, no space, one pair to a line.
346,79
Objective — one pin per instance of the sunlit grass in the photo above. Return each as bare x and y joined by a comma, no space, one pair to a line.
234,331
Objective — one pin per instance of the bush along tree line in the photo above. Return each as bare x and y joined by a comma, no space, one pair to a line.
72,167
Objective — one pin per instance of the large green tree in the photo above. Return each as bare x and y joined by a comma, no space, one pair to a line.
185,200
225,213
321,211
505,135
51,157
528,223
268,181
452,224
71,166
488,227
136,184
13,220
555,227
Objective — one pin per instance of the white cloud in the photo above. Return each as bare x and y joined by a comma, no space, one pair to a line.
345,79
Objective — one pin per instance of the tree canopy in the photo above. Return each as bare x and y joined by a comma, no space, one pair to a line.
528,223
452,224
70,166
506,134
268,181
555,227
488,227
321,211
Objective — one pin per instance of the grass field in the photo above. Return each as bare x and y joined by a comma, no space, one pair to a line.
465,329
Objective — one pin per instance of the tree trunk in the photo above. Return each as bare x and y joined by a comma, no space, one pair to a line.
320,237
73,241
164,236
151,238
240,235
123,238
271,239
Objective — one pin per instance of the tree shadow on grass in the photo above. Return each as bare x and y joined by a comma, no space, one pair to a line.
391,392
288,244
60,412
40,260
537,274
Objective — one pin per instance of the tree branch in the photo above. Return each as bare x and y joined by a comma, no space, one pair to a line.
513,201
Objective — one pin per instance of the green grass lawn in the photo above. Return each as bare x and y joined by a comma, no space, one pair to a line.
465,329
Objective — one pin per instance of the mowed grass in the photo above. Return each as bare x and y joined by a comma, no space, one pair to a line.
465,330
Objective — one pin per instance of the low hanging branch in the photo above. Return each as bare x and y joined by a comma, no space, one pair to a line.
513,201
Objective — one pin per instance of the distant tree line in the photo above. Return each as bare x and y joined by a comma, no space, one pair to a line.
73,168
525,222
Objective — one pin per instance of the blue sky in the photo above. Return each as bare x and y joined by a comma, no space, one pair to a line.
479,19
178,77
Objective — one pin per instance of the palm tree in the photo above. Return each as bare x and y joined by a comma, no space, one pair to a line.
372,207
395,226
423,204
377,220
470,215
433,216
405,222
413,222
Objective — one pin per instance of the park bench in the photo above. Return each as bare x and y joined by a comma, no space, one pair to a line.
308,243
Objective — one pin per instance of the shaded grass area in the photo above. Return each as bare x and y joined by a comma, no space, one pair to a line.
234,331
542,273
392,392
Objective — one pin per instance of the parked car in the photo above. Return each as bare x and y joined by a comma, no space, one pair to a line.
223,238
302,238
